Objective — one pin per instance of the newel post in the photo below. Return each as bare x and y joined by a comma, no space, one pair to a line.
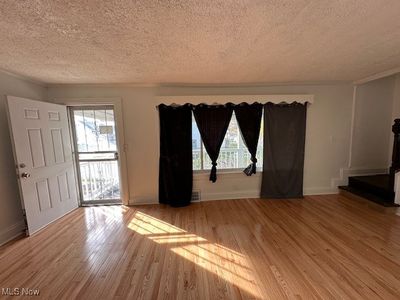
396,151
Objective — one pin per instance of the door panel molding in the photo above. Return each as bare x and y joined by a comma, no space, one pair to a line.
36,148
40,156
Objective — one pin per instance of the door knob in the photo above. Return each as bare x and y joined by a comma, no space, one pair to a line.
25,175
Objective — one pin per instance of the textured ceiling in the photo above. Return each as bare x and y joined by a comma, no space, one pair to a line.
201,41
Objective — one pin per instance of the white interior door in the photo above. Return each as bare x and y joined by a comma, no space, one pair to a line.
44,161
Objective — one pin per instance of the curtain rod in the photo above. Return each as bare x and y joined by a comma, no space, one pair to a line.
236,98
231,104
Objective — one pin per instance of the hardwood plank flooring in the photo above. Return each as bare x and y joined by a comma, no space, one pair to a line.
319,247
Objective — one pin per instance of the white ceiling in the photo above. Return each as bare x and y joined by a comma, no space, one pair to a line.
200,41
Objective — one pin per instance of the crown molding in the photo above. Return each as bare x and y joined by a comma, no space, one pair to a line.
377,76
24,78
196,85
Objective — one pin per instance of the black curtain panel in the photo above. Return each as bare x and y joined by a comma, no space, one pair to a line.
175,173
213,121
284,140
249,121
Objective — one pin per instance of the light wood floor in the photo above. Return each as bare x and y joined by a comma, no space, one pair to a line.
320,247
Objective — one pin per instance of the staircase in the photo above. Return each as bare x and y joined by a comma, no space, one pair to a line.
378,188
375,188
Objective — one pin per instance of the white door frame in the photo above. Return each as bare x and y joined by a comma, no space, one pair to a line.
122,147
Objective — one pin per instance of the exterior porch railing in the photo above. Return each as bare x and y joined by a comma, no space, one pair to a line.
99,180
229,158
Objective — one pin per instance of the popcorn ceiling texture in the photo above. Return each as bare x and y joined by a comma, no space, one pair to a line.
201,41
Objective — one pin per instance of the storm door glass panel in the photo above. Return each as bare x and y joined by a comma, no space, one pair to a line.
97,155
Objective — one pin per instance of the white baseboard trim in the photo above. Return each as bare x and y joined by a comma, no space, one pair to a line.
230,195
320,191
12,232
241,195
256,194
131,203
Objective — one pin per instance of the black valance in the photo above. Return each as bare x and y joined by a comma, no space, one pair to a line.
248,117
213,121
175,173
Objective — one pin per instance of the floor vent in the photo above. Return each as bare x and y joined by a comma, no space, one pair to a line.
196,196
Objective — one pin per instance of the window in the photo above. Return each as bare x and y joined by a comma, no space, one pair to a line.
233,153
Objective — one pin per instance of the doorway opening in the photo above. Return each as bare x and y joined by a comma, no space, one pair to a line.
96,153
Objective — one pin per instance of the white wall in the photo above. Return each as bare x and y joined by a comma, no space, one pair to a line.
372,135
396,98
11,220
327,140
395,110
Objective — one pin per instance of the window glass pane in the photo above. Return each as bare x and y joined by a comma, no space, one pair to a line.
90,130
105,130
108,130
95,130
260,145
80,131
196,146
233,153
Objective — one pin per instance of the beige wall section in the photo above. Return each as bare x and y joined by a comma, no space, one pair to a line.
372,124
10,206
327,140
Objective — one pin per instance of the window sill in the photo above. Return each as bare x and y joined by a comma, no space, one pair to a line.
224,173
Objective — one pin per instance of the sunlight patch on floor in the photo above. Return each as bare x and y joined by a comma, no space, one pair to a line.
227,264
